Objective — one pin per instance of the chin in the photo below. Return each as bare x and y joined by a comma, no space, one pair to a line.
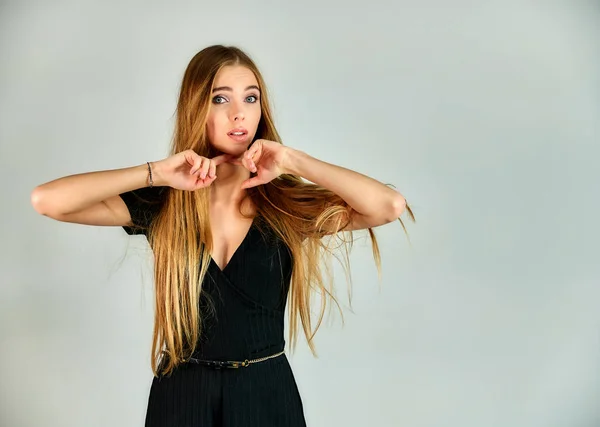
232,149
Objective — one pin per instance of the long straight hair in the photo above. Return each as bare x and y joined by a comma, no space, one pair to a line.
181,239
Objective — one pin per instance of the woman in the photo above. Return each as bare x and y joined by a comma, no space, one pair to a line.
235,232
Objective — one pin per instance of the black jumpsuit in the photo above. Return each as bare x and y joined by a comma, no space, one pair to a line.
249,299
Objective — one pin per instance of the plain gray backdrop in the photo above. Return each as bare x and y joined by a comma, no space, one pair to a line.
484,115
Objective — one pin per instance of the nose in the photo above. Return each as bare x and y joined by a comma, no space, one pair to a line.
237,112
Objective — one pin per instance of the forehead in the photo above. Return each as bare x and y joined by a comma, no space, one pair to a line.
235,75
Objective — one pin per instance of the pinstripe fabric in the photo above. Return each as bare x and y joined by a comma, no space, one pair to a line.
248,297
263,395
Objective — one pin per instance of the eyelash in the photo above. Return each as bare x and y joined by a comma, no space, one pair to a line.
221,96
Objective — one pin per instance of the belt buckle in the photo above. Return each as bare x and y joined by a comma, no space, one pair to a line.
218,364
236,365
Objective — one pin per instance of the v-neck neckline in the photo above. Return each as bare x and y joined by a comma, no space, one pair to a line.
233,256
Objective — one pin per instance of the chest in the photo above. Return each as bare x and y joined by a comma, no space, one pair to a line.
229,231
259,270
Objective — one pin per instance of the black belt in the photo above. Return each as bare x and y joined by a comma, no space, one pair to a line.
233,364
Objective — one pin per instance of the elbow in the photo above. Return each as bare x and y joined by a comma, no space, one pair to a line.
35,199
398,206
38,201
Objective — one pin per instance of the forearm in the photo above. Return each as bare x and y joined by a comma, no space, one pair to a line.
75,192
365,195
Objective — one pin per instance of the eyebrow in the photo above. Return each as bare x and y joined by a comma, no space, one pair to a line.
231,90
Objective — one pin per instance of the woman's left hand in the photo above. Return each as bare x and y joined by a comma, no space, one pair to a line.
265,158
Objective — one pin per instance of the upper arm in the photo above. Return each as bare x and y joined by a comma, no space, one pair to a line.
351,220
133,210
359,221
356,221
112,211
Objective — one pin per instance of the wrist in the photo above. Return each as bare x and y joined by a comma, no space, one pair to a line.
291,160
157,175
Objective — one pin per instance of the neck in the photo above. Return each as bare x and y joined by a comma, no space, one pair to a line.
225,190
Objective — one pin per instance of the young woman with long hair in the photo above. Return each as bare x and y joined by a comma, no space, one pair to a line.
238,224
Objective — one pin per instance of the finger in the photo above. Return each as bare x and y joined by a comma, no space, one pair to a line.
255,151
204,169
191,158
206,179
245,161
248,162
252,182
203,183
196,165
198,170
212,170
251,164
254,154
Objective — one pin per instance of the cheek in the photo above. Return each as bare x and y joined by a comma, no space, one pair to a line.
257,115
210,128
212,125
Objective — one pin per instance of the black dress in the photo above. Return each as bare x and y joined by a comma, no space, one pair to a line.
249,298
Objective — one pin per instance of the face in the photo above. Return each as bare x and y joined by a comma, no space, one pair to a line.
234,111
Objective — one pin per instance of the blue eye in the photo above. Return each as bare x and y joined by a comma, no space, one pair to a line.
216,99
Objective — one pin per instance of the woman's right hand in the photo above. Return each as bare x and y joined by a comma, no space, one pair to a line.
187,170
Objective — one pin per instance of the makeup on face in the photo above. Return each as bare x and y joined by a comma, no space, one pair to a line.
235,109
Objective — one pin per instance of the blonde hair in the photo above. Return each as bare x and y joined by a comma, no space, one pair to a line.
297,211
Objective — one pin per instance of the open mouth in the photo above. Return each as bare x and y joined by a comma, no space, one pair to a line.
237,132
